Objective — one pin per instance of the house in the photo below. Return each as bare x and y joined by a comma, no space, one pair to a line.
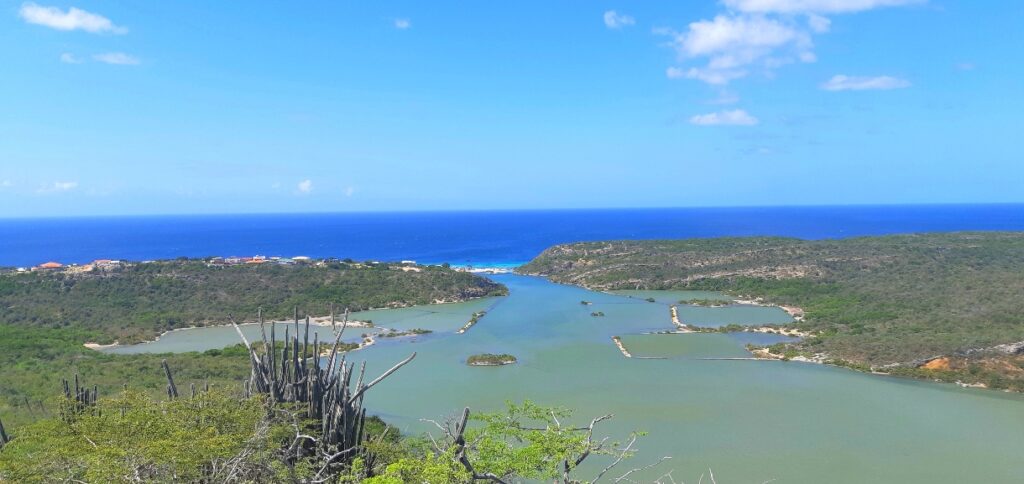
48,266
77,269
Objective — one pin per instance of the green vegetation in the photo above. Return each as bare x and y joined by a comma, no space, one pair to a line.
475,318
597,314
132,435
712,303
411,332
35,359
488,359
222,437
725,328
45,317
889,302
140,301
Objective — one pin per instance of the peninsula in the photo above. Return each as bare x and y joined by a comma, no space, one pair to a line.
136,301
946,306
47,314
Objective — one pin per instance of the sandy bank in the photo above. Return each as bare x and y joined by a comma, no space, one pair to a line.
683,328
618,343
317,321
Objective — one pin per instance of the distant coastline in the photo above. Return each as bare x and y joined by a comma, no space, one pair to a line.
479,238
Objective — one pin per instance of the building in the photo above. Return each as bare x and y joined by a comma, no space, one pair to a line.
48,266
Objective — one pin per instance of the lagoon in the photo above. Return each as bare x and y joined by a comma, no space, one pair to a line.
749,421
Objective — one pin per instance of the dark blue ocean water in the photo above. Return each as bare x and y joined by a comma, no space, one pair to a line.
480,238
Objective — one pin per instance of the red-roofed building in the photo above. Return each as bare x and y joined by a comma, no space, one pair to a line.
49,265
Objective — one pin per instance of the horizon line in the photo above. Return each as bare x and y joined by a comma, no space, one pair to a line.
486,210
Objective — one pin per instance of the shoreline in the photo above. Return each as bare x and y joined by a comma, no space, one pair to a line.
618,342
317,321
313,320
683,328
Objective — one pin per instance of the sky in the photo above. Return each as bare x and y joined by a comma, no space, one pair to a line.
110,108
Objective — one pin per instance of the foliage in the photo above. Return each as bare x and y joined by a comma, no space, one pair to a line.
34,360
143,300
219,437
489,359
411,332
872,301
132,437
705,302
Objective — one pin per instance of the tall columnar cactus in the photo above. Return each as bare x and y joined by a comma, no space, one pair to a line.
322,391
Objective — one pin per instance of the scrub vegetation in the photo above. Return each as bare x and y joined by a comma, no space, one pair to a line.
891,303
294,419
46,316
140,301
489,359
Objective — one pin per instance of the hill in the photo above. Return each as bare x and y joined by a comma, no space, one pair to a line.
46,316
134,302
895,303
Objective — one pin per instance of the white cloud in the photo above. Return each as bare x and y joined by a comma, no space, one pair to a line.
813,6
305,186
402,23
349,191
856,83
117,58
758,36
818,24
58,186
733,44
735,117
69,58
6,184
965,66
615,20
72,19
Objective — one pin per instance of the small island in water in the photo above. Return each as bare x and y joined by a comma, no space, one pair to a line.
489,359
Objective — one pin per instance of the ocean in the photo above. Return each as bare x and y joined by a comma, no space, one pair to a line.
481,238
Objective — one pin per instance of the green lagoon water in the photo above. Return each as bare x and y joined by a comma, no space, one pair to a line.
749,421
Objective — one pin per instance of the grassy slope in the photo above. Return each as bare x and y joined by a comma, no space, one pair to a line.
875,300
45,318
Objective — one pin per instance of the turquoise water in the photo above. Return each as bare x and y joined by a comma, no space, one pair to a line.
749,421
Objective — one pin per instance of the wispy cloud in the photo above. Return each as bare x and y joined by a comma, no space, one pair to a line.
6,184
813,6
965,66
856,83
58,186
725,97
818,24
615,20
403,23
69,58
735,117
117,58
757,36
350,190
305,186
734,44
71,19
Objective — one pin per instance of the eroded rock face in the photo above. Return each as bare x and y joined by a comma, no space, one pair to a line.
1011,348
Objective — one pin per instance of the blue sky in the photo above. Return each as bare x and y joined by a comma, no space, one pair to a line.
220,107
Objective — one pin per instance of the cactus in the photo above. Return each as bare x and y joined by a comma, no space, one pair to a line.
324,394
